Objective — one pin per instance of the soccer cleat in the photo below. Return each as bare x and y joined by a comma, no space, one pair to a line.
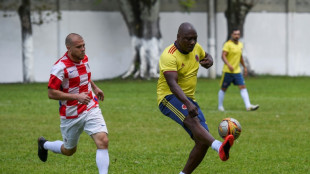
221,108
42,153
225,147
252,108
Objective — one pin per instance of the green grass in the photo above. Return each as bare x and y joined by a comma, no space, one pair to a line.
274,139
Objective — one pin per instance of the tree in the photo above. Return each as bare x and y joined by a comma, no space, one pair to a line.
235,14
27,41
142,20
29,15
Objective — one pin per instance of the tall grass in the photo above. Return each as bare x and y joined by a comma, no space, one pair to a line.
274,139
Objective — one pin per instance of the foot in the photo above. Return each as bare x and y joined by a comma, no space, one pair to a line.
225,147
252,108
42,153
221,108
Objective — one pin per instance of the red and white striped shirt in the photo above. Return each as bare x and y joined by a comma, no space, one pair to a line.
73,78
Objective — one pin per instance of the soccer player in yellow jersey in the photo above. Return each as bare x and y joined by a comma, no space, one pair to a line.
179,64
232,57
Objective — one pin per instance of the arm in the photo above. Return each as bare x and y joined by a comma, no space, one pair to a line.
244,67
207,61
98,91
172,81
59,95
224,58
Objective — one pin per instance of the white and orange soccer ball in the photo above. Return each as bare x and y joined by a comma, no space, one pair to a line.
229,126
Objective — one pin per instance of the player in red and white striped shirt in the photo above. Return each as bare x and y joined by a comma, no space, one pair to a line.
70,83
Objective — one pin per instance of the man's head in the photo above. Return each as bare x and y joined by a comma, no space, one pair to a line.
75,46
235,35
186,38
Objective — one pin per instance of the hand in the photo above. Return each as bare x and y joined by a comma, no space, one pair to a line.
83,98
206,62
192,110
99,94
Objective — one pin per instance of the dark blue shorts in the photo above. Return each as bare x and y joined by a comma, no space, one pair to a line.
228,78
172,107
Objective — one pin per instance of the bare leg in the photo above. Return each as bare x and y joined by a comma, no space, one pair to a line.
203,139
195,157
200,134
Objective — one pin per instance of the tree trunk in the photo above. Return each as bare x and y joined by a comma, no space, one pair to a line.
27,42
235,14
142,20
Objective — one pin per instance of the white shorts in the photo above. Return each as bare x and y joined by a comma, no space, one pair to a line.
90,121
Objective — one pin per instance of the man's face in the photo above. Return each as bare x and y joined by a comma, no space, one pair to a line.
187,41
77,48
235,35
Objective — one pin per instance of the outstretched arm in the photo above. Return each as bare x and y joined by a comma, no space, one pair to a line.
172,81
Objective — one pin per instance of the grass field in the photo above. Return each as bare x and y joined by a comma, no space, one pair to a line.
274,139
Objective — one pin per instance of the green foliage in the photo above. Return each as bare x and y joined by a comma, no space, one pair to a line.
187,4
274,139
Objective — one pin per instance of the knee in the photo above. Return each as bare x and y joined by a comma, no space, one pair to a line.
105,142
68,152
188,122
224,89
242,87
102,142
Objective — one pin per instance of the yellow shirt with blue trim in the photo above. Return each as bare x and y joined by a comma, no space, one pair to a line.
234,53
186,65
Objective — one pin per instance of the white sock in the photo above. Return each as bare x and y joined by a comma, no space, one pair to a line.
221,95
181,172
216,145
54,146
102,160
245,97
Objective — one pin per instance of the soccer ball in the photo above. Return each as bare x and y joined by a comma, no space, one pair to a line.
229,126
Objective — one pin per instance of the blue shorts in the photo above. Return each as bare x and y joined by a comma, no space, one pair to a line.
228,78
172,107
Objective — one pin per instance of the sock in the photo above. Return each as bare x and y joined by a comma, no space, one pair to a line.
216,145
221,95
102,160
54,146
181,172
245,97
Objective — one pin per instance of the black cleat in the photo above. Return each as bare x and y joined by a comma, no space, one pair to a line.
42,153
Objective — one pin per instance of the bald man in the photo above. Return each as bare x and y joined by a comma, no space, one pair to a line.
179,64
70,83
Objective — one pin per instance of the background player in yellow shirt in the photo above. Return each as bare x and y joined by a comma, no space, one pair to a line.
179,64
232,57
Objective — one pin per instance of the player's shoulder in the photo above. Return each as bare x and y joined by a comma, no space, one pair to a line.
170,50
198,47
62,62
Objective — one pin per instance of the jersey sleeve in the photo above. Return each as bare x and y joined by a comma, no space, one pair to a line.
56,77
167,63
226,47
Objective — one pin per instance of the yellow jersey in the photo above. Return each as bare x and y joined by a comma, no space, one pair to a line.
186,65
234,53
